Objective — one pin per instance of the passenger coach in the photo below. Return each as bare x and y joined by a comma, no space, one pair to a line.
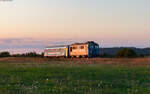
57,51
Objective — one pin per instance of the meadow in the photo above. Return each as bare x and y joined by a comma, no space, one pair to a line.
74,76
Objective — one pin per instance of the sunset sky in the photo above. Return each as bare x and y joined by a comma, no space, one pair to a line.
111,23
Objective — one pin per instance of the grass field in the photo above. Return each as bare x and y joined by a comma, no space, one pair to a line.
74,76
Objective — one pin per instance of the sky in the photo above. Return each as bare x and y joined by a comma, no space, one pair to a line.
111,23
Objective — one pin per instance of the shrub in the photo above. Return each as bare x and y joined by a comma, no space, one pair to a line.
126,53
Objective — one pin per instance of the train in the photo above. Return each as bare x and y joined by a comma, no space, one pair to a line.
88,49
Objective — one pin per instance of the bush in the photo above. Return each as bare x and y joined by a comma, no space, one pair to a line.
126,53
5,54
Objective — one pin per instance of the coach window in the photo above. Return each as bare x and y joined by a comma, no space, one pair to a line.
92,47
74,48
97,47
81,47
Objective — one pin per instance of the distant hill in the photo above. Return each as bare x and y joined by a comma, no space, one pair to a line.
114,50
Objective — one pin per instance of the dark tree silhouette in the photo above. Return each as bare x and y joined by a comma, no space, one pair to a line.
126,53
5,54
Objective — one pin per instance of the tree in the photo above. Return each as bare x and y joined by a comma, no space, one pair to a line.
31,54
42,54
126,53
5,54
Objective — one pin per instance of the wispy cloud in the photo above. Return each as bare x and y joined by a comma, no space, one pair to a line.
21,45
31,42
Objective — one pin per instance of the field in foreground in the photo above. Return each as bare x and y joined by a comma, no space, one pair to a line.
74,76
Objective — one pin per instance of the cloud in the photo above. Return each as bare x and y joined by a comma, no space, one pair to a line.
31,43
23,45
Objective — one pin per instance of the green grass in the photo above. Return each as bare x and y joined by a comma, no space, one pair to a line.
48,78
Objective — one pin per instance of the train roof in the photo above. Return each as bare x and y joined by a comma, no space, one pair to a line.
64,46
57,46
88,42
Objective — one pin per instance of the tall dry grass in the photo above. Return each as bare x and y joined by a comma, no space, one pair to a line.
76,61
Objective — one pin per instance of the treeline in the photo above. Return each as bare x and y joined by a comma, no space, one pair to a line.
121,53
111,52
29,54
